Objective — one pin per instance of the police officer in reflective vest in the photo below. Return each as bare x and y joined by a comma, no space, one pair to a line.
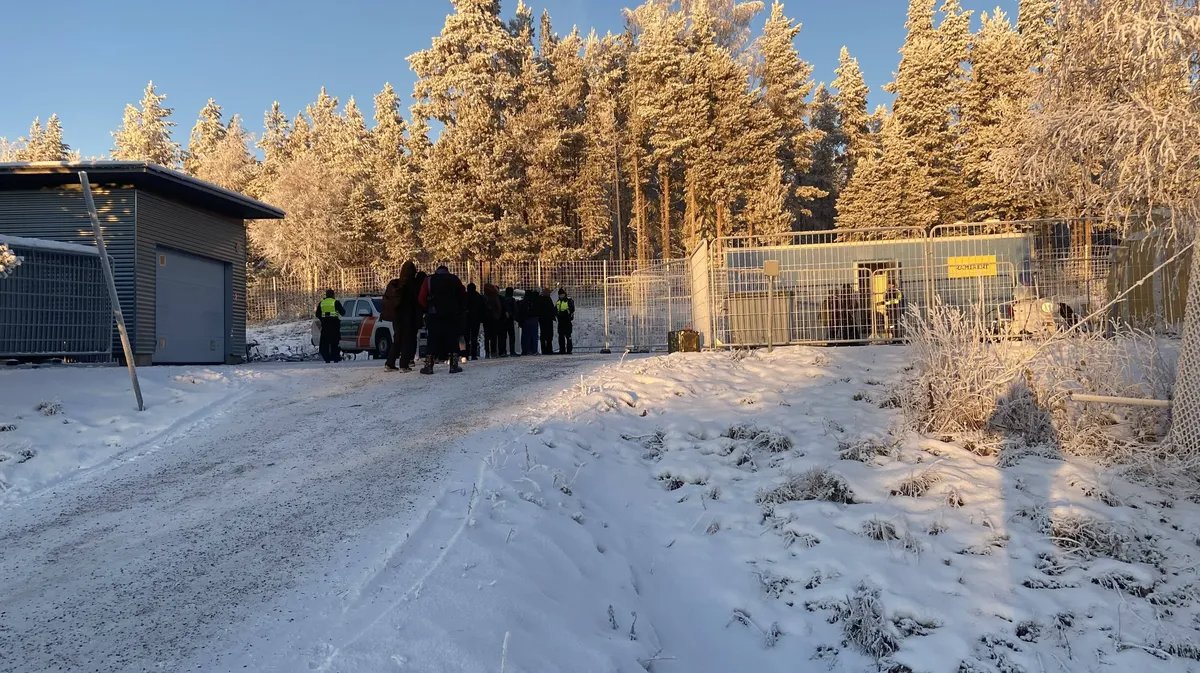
329,312
893,302
565,311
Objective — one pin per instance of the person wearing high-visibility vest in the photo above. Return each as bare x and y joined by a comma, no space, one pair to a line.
893,303
564,310
330,313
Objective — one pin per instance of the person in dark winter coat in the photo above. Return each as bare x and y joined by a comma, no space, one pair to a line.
493,311
528,312
476,308
329,312
399,308
508,317
564,309
546,321
445,302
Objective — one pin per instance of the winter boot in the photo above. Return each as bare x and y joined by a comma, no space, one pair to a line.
428,368
454,368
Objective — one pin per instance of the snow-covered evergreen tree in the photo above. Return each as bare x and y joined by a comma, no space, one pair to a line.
993,109
920,158
207,133
786,83
468,173
229,163
851,101
1035,23
827,159
145,133
396,178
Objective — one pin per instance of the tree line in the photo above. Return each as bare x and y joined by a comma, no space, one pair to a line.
524,142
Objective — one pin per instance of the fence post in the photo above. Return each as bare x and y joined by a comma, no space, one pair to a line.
539,273
607,343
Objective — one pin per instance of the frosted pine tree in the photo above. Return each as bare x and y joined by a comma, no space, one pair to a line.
827,160
1035,23
786,84
207,133
466,174
395,176
851,101
145,133
993,108
661,118
229,162
273,145
53,146
919,144
607,204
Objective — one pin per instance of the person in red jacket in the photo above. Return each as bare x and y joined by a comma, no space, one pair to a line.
443,298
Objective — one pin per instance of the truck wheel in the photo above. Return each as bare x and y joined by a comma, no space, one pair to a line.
383,343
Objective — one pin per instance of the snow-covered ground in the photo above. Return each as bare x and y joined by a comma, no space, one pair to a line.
576,514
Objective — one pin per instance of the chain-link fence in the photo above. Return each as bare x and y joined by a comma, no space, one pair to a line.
286,299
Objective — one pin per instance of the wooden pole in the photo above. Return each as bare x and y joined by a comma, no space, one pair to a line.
112,288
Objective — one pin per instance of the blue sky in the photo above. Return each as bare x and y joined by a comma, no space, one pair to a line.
85,60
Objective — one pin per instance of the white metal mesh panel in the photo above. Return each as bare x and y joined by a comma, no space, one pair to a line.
1185,424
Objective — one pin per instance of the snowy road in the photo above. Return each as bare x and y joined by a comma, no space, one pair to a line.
145,562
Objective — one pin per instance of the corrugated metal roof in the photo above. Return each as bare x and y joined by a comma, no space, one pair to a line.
141,175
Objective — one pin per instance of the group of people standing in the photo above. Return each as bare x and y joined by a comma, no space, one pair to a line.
454,315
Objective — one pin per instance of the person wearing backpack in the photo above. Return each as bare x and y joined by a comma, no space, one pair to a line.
565,312
444,299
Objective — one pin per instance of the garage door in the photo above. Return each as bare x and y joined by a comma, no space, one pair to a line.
191,309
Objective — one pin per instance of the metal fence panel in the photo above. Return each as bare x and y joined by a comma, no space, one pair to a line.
55,304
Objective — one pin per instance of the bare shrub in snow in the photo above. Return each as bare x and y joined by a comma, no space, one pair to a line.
954,499
797,538
883,531
867,450
764,440
917,485
965,383
816,484
49,408
1087,537
866,627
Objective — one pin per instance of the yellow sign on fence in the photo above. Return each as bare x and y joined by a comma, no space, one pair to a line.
979,266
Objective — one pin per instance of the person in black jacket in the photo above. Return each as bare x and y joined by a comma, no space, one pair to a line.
329,312
508,330
528,310
546,316
444,299
398,308
565,311
493,311
476,308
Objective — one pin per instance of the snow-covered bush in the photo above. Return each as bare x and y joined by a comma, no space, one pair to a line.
9,261
816,484
1015,396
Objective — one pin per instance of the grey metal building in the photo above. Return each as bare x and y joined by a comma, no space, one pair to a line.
178,247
